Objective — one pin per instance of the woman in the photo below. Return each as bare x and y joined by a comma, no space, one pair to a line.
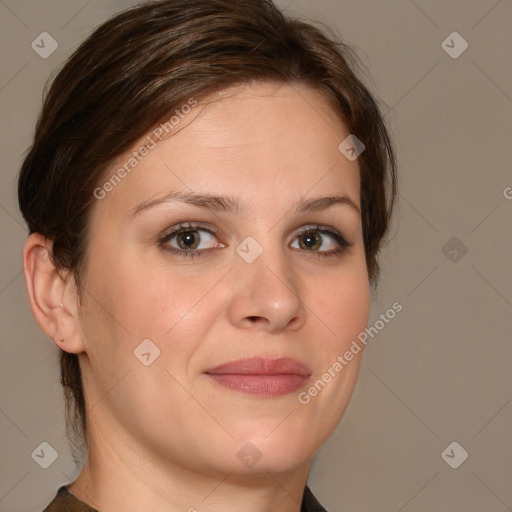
207,193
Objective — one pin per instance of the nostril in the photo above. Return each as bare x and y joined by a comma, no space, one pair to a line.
256,319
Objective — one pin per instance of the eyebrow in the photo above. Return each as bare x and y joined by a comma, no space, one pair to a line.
229,204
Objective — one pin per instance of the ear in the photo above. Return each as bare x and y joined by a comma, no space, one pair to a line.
52,295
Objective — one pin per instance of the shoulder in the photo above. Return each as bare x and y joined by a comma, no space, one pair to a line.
64,501
310,503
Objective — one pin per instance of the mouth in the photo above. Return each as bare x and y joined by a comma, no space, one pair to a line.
261,377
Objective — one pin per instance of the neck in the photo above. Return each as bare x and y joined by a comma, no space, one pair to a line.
122,474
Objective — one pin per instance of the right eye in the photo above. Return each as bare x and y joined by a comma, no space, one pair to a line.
188,240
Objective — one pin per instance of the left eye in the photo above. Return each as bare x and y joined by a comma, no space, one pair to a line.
312,239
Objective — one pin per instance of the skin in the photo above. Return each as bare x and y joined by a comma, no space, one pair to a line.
165,437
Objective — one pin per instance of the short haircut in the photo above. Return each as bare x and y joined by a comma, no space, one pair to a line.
135,70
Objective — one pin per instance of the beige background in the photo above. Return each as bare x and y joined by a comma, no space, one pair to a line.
440,371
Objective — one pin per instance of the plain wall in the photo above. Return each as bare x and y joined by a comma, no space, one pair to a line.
440,370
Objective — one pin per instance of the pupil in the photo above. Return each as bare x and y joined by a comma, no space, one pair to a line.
188,239
310,240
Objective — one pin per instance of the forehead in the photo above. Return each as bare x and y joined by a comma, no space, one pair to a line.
267,115
251,140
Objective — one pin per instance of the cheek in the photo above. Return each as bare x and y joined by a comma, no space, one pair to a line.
128,304
170,302
343,305
147,298
172,307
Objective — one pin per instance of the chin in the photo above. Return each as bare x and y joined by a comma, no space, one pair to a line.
275,453
273,463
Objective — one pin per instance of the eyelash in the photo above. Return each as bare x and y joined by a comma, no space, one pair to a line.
343,244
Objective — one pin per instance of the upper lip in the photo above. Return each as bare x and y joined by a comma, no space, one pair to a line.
262,366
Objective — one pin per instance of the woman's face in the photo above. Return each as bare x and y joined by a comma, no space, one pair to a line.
258,271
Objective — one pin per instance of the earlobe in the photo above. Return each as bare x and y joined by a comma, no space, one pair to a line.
46,287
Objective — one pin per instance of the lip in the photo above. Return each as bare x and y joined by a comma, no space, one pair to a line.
261,377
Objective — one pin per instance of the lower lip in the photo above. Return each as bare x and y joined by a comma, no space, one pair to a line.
261,385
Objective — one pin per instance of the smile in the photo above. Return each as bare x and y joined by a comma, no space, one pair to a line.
261,377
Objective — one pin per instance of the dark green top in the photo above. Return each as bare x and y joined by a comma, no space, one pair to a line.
64,501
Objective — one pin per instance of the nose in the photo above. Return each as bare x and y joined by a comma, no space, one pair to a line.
266,293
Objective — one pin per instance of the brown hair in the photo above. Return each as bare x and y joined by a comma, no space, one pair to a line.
141,65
